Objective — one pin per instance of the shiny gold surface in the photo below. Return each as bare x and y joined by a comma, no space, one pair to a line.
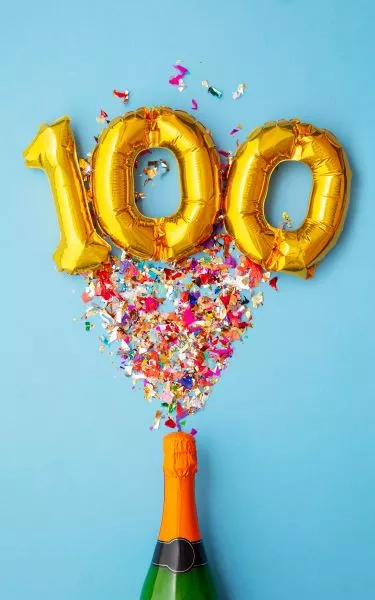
298,251
80,248
166,238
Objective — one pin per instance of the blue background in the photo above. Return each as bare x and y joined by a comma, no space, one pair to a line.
287,446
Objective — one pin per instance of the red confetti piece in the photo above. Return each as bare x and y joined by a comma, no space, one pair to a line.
170,423
181,413
255,270
124,96
273,283
224,153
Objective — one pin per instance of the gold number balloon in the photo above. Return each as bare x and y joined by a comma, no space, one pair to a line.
169,238
298,251
166,238
54,150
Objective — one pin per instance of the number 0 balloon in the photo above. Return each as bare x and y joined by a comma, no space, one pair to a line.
298,251
166,238
54,150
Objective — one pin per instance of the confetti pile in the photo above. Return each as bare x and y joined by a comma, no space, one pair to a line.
172,328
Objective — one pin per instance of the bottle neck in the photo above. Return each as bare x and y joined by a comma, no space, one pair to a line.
180,519
179,547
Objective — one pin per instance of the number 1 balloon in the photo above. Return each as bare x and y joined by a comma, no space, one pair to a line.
80,248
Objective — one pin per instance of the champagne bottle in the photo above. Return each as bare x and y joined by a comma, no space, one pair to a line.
179,569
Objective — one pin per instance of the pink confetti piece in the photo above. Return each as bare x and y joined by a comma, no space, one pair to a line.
183,70
151,304
178,79
194,104
175,79
188,317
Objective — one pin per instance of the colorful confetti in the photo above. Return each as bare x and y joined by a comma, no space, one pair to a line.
173,326
239,91
178,79
103,117
155,167
286,222
226,161
212,90
150,172
273,283
124,96
236,129
86,169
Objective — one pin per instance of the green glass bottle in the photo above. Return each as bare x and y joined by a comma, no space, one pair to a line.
179,569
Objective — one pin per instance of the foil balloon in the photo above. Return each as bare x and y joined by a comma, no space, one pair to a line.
166,238
297,251
80,248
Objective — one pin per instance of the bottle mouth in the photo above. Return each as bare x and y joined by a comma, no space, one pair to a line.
180,455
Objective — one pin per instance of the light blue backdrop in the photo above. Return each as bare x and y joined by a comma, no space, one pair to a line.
287,446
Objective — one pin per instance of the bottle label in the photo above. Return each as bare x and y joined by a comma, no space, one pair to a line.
179,555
